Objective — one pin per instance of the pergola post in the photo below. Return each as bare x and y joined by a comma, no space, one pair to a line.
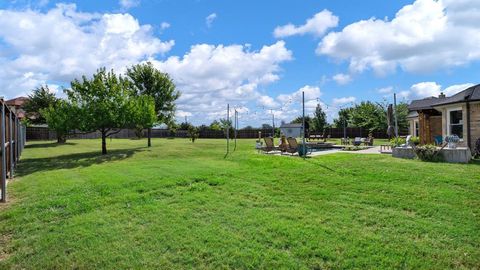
3,174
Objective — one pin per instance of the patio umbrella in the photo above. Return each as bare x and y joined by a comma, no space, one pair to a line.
390,129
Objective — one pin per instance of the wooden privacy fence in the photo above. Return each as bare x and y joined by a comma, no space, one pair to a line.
43,133
12,142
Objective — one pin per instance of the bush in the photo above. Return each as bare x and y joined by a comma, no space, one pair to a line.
427,153
394,142
415,140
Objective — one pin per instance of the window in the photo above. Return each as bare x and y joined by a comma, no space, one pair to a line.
455,123
416,134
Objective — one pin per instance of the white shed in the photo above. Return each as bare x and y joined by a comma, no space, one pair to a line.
291,130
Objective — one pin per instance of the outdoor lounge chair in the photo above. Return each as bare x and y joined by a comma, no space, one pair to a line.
357,141
292,145
438,139
269,146
368,141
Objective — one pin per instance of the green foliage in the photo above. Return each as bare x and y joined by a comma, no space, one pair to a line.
344,118
428,153
193,133
107,103
415,140
41,98
395,142
61,117
319,120
142,109
215,125
354,148
147,80
371,116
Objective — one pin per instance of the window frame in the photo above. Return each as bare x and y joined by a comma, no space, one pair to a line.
449,124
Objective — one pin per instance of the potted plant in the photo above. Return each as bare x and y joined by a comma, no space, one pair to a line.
452,141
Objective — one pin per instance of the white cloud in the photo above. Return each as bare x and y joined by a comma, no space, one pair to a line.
317,26
63,43
343,100
424,36
164,25
385,90
432,89
211,76
267,102
127,4
342,79
209,19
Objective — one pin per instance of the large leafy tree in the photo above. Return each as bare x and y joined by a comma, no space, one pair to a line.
61,117
344,118
41,98
107,103
319,120
369,115
149,81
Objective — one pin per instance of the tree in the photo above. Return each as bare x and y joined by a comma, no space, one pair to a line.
224,124
107,103
148,80
368,115
41,98
142,109
319,120
61,117
184,126
193,133
215,125
344,119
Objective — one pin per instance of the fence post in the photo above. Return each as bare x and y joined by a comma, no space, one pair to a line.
10,145
3,177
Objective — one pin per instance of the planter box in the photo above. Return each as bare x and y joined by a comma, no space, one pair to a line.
457,155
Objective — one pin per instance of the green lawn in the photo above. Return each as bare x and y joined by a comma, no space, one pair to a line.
180,205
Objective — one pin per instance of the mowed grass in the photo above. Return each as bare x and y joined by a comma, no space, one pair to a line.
180,205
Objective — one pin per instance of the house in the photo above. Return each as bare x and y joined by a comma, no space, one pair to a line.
442,116
291,130
18,104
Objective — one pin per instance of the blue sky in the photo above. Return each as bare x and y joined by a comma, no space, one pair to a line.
243,52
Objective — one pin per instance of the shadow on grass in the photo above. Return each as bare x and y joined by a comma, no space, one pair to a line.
47,145
70,161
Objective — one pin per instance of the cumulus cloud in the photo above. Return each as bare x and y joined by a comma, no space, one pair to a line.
432,89
342,79
164,25
211,76
317,26
385,90
343,100
209,19
127,4
424,36
63,43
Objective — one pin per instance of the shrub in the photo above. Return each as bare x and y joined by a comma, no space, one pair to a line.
415,140
394,142
193,133
354,148
427,153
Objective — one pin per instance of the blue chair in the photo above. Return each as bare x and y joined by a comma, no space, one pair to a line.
438,139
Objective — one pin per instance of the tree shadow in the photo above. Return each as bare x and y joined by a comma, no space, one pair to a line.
48,145
70,161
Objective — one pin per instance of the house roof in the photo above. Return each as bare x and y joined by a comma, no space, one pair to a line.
422,104
291,126
469,94
412,114
19,101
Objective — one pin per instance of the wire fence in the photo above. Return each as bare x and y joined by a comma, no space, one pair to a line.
12,142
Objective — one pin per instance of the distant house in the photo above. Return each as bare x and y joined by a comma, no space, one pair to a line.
291,130
443,116
18,104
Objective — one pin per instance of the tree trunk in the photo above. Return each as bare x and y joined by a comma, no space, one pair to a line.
104,144
149,135
61,139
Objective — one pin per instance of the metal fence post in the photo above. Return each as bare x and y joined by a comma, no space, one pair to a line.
10,145
3,176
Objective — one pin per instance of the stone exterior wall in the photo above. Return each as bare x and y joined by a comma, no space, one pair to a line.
474,123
